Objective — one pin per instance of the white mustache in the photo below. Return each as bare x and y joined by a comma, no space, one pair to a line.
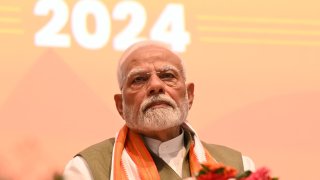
155,99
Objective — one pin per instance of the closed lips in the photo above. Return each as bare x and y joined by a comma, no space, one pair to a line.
157,103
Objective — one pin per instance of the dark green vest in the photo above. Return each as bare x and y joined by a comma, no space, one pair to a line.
99,158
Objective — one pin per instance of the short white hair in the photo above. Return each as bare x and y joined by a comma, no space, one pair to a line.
137,46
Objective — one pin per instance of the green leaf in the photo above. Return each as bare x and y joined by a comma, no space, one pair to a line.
205,168
219,170
244,174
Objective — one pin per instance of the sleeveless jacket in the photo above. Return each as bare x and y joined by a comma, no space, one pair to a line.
99,157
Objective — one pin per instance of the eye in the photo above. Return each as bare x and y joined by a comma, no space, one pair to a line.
166,76
139,79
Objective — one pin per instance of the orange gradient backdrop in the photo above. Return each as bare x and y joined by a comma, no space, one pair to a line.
255,65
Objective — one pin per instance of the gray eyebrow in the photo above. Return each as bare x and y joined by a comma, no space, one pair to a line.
139,70
161,69
168,67
135,71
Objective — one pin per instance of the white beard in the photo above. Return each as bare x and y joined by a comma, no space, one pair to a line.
157,119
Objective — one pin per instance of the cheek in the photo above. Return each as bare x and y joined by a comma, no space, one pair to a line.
180,95
133,100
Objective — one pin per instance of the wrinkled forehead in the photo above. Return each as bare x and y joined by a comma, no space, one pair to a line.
146,50
140,45
151,55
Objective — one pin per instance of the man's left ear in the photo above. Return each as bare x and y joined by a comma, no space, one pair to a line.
190,91
118,102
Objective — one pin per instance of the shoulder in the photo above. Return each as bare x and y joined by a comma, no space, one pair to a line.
77,168
99,158
101,147
225,155
220,150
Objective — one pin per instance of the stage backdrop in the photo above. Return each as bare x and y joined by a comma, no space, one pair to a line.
255,65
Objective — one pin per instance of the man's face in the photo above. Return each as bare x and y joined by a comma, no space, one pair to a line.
154,95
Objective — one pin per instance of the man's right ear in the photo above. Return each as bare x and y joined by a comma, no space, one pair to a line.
118,101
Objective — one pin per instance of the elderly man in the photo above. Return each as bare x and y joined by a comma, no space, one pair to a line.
156,142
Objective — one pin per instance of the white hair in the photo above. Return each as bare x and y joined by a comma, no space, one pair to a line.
137,46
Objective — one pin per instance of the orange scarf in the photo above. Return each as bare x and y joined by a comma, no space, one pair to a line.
132,160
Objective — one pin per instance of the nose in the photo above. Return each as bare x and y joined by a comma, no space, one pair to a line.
155,86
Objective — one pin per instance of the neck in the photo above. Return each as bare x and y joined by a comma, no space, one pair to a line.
163,135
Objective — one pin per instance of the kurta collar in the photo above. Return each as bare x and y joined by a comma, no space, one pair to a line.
160,148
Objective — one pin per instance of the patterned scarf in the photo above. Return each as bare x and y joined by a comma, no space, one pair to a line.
132,160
